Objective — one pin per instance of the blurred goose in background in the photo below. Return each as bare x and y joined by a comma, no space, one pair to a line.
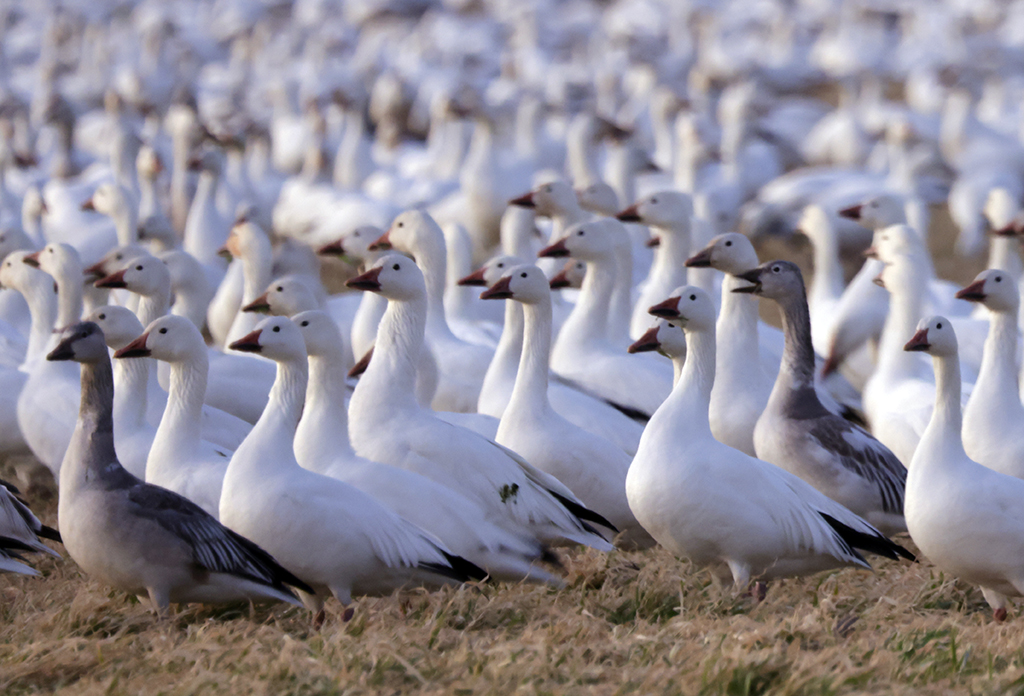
21,532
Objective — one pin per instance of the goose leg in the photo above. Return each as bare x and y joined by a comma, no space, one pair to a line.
997,601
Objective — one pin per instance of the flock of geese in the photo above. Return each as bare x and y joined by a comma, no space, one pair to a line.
549,334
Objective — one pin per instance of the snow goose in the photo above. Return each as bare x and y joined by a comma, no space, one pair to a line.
966,518
138,537
179,459
322,445
189,284
670,213
589,464
582,353
20,531
387,424
827,284
739,516
461,365
798,434
992,432
581,409
339,539
248,243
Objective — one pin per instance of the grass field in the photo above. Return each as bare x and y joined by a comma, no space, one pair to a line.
641,622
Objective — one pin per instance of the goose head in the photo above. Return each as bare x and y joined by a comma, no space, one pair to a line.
488,274
144,275
776,280
82,342
57,260
355,244
170,338
276,338
246,239
410,230
571,275
16,274
108,199
526,284
319,332
880,211
599,198
665,336
1001,209
114,260
934,336
587,241
664,209
394,276
33,205
889,243
185,270
120,325
994,289
286,296
731,253
549,200
688,305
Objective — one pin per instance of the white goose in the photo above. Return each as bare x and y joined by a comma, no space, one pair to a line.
141,538
386,424
966,518
797,433
592,466
582,353
583,410
322,445
179,459
993,432
670,214
739,516
342,541
461,365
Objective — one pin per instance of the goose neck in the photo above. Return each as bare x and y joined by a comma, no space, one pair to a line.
131,381
670,256
737,325
154,306
284,407
257,267
589,320
946,423
69,300
431,257
905,310
827,282
999,357
147,198
322,435
798,353
42,307
690,400
182,419
391,375
93,440
531,387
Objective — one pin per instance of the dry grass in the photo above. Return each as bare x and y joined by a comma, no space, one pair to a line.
640,622
627,623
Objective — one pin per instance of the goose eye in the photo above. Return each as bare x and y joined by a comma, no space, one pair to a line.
939,325
138,268
118,257
654,200
672,326
729,243
693,298
103,316
522,275
305,323
776,269
277,329
280,289
396,267
401,224
50,250
547,189
501,265
580,233
999,279
163,331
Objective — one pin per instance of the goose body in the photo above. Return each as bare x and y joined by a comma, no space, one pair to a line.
20,531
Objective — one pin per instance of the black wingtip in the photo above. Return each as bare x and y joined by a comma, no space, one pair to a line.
878,545
49,533
458,568
585,515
